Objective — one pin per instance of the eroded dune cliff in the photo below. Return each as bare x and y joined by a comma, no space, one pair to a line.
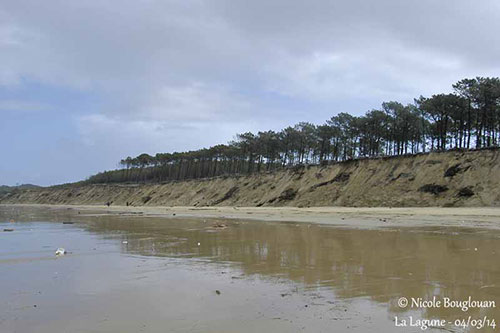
454,178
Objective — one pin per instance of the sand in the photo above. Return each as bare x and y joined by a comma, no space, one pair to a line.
470,217
133,273
448,179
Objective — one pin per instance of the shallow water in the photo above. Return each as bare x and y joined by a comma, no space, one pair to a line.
132,273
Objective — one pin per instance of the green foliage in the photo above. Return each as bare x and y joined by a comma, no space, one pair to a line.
468,117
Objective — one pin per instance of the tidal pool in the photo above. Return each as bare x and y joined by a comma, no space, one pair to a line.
128,273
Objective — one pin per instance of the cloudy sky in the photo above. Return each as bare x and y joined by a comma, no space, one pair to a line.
86,83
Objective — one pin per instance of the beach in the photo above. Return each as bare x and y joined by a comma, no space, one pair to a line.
227,269
377,217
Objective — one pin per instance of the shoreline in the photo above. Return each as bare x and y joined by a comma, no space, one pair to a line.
350,217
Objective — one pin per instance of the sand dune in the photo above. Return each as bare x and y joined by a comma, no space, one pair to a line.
448,179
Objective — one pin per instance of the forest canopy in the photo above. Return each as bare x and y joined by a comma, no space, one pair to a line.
467,118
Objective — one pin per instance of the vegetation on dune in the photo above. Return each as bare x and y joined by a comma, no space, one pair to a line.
467,118
9,189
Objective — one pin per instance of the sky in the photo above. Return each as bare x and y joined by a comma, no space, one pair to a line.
84,84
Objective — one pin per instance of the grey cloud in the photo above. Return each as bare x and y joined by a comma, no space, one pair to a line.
140,47
169,70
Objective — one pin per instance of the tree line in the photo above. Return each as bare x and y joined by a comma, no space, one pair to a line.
467,118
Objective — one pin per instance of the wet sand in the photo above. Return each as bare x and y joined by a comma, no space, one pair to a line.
362,217
132,272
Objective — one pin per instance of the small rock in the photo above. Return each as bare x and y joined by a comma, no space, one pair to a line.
218,292
8,230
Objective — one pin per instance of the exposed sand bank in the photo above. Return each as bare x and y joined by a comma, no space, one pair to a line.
475,217
448,179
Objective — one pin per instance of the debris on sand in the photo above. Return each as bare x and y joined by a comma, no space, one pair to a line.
69,222
219,225
60,251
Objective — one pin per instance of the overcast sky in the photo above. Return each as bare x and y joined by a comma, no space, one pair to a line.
86,83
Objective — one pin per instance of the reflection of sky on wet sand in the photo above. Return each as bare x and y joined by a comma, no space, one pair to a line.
276,266
380,264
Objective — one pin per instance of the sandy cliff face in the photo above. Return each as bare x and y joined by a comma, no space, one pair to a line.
437,179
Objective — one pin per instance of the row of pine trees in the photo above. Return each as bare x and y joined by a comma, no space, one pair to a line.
467,118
